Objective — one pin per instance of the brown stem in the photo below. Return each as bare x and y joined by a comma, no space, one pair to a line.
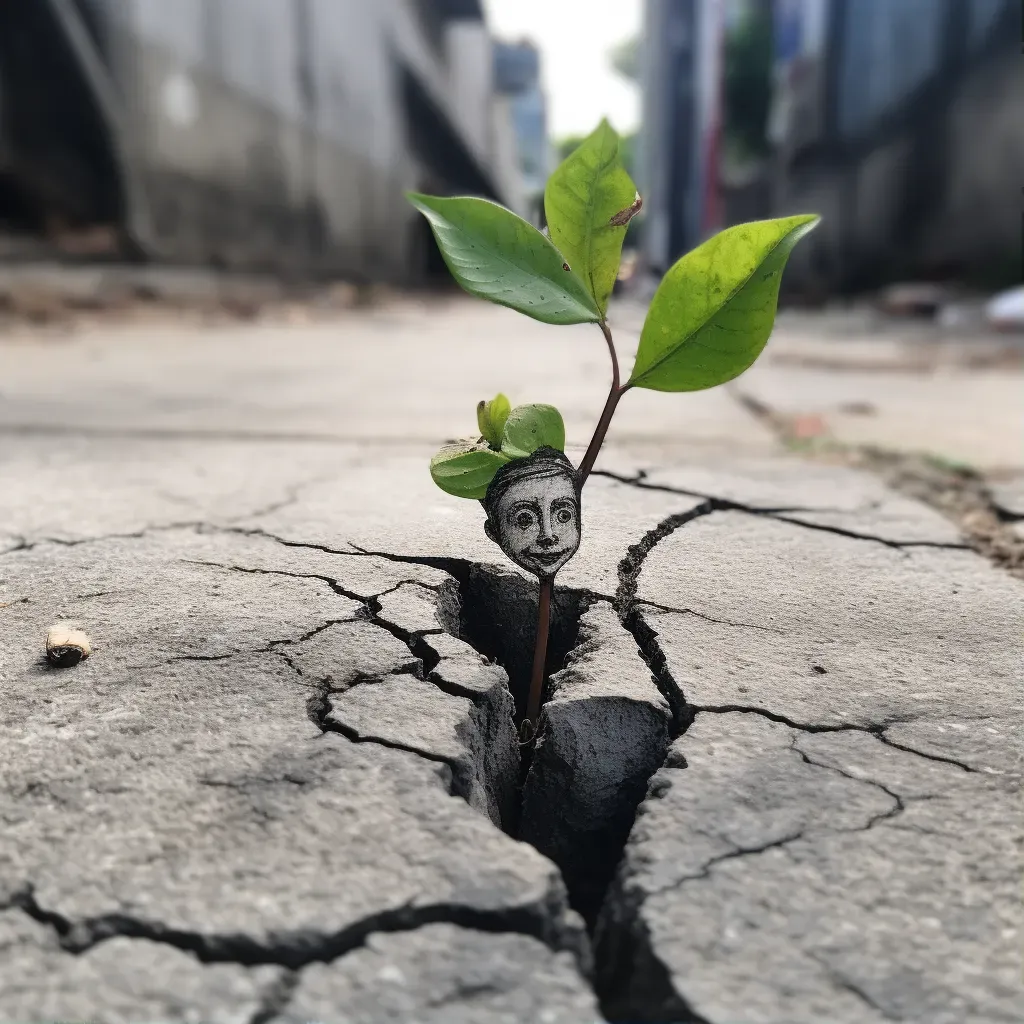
540,653
604,422
544,603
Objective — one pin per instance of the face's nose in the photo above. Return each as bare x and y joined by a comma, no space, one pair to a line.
547,538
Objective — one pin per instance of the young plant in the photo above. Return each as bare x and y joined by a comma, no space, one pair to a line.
710,318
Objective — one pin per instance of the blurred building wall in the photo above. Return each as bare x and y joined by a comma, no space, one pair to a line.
518,80
902,122
681,60
251,133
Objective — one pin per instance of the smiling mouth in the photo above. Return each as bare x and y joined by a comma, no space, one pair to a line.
547,558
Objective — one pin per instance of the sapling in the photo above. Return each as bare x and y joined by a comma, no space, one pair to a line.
710,318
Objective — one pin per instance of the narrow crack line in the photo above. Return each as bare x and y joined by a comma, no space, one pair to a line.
291,497
960,494
268,648
276,998
145,531
640,605
878,729
899,805
725,504
844,983
370,606
789,515
330,581
297,949
258,531
733,854
792,723
321,709
458,568
938,758
839,531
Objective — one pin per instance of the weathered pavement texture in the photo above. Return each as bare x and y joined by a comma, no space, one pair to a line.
286,786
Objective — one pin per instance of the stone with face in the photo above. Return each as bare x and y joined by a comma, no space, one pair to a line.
533,512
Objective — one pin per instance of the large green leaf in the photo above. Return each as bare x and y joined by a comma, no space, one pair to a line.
498,256
466,468
714,310
588,202
530,427
491,417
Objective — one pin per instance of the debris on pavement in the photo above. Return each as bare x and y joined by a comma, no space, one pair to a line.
66,646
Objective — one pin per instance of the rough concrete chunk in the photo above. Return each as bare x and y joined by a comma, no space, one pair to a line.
790,876
412,608
410,714
831,631
441,974
121,981
603,732
347,652
175,786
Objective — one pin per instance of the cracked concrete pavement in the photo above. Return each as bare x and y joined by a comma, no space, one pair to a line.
286,785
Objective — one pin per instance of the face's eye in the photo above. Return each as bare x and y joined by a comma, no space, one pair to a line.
564,515
525,519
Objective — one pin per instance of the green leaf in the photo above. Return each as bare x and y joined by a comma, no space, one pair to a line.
530,427
466,468
589,201
714,310
491,417
498,256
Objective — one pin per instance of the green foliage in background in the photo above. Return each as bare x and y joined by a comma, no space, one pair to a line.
709,320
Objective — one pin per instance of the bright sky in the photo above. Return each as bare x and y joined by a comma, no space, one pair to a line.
574,37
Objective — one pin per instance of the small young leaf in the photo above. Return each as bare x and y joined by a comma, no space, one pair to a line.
466,468
491,417
714,310
530,427
588,201
498,256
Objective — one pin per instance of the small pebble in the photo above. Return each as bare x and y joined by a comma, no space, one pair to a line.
66,646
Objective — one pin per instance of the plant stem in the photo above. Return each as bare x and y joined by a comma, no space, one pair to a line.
604,422
540,652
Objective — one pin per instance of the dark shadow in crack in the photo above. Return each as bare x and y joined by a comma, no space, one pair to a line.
495,611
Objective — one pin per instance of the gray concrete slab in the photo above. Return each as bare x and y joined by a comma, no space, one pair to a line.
255,796
800,877
121,981
826,630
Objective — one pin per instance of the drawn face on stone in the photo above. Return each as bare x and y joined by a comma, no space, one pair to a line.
533,512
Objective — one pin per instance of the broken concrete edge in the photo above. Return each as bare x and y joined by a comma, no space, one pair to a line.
546,921
434,647
604,731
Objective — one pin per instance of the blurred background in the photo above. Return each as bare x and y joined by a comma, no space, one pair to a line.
278,135
204,240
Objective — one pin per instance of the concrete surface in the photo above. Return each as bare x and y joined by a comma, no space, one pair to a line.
285,785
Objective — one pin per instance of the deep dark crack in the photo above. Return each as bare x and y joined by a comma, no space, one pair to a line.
299,948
